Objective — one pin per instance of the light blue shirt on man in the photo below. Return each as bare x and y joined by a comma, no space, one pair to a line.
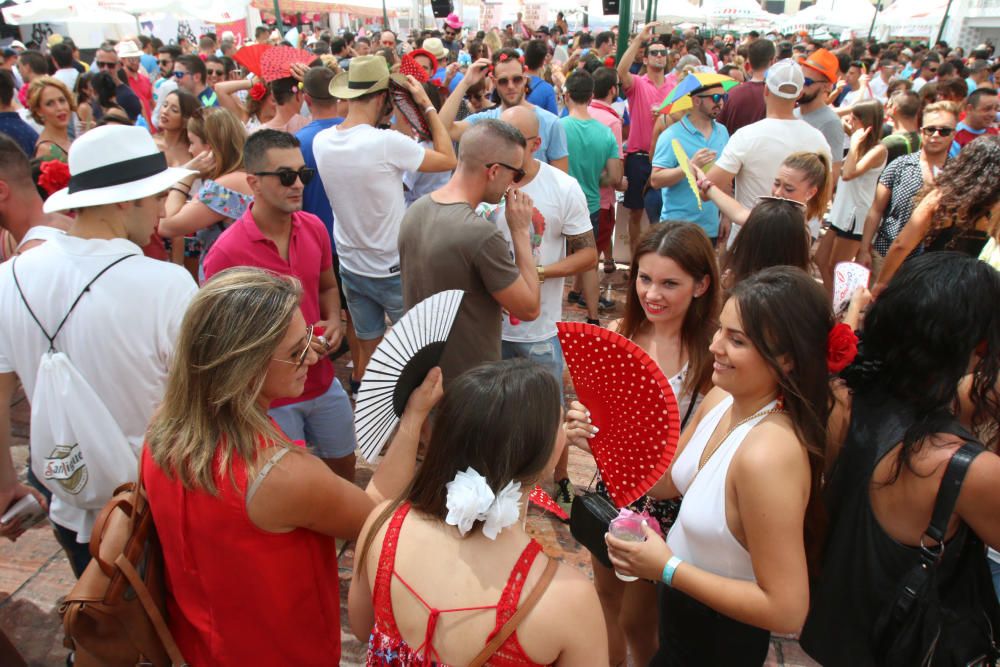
553,135
679,202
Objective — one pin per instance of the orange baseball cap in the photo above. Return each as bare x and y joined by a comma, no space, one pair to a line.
823,61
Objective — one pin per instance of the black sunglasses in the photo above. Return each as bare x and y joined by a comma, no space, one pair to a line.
942,131
516,80
656,52
518,173
101,65
287,176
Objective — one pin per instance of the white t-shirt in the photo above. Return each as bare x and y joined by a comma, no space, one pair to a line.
68,76
40,233
362,171
120,336
561,207
755,152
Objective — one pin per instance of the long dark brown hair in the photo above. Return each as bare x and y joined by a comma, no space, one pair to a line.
501,419
774,234
687,244
765,301
969,186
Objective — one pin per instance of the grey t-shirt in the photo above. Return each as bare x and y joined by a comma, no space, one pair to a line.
826,120
448,246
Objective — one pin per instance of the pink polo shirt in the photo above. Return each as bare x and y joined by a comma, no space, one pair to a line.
608,117
309,254
642,96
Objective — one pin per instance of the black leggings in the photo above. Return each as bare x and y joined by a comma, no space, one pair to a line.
692,635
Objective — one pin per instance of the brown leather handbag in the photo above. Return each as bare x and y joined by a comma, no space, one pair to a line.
115,616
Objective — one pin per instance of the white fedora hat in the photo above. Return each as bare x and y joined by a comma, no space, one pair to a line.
127,49
112,164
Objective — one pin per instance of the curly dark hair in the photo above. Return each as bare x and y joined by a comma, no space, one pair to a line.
938,312
969,185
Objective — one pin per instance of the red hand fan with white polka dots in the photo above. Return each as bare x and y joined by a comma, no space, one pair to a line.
276,62
630,402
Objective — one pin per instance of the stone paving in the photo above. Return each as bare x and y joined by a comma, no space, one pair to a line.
35,575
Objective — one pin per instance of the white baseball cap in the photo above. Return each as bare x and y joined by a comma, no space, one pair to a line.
785,79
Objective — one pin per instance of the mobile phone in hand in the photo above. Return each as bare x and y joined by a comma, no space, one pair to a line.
27,510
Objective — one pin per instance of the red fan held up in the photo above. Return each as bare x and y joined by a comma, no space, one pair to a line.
630,402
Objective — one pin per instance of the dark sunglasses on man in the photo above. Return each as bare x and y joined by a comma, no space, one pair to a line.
930,130
519,174
287,176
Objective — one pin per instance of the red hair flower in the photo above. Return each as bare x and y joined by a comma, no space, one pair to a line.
609,62
258,91
503,57
841,347
53,176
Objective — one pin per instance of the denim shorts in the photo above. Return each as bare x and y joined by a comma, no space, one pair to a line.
369,300
325,423
547,353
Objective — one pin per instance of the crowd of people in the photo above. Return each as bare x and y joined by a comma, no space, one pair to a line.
195,244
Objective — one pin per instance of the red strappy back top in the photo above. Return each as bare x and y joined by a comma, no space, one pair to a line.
386,646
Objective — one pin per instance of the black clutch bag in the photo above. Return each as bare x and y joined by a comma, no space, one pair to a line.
588,522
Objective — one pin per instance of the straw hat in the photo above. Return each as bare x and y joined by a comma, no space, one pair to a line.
127,49
436,47
367,74
112,164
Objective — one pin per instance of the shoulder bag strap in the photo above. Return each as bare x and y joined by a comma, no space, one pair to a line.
52,338
944,505
508,628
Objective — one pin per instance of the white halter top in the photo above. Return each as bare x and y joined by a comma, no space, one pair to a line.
701,534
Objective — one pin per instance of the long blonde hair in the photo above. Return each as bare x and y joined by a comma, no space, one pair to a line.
221,130
229,334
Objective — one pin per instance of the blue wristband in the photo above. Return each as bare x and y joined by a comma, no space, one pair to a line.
669,569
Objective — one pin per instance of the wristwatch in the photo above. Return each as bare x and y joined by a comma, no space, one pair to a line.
541,273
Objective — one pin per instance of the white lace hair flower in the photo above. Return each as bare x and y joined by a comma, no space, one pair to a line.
504,511
469,497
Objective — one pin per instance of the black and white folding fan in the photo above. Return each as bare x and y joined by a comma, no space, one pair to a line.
399,364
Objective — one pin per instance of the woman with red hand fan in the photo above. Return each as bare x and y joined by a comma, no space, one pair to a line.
670,312
734,567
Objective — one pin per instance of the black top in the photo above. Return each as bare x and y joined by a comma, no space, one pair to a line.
967,241
862,565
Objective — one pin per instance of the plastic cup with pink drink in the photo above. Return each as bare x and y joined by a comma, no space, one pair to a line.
628,528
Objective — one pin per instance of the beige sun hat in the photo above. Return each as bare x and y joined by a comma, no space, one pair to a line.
367,74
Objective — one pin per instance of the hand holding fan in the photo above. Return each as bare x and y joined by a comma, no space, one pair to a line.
276,62
403,99
399,364
682,162
847,277
630,402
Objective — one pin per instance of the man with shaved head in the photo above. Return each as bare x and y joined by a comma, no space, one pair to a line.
444,245
563,245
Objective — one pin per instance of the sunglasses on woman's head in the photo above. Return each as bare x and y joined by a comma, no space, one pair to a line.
786,200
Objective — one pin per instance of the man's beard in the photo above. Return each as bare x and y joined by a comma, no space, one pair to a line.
806,98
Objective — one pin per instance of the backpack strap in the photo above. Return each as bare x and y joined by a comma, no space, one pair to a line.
52,338
508,628
155,617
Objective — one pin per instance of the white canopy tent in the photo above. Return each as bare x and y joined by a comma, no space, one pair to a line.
85,22
911,18
734,12
208,11
833,14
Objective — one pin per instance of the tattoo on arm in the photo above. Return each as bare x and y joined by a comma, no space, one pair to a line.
578,242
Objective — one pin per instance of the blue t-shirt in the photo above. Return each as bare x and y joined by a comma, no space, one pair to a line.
543,95
442,75
149,63
552,133
314,199
22,133
679,202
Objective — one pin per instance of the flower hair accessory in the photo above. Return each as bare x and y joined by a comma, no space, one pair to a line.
841,347
470,499
258,91
53,175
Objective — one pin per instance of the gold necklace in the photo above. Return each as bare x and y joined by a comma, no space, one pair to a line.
763,412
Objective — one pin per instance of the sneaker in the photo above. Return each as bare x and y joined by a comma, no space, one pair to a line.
564,494
355,386
574,297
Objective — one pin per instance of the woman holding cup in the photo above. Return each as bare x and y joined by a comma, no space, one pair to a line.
734,564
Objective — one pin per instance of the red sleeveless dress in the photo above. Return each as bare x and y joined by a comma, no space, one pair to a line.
386,647
238,595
